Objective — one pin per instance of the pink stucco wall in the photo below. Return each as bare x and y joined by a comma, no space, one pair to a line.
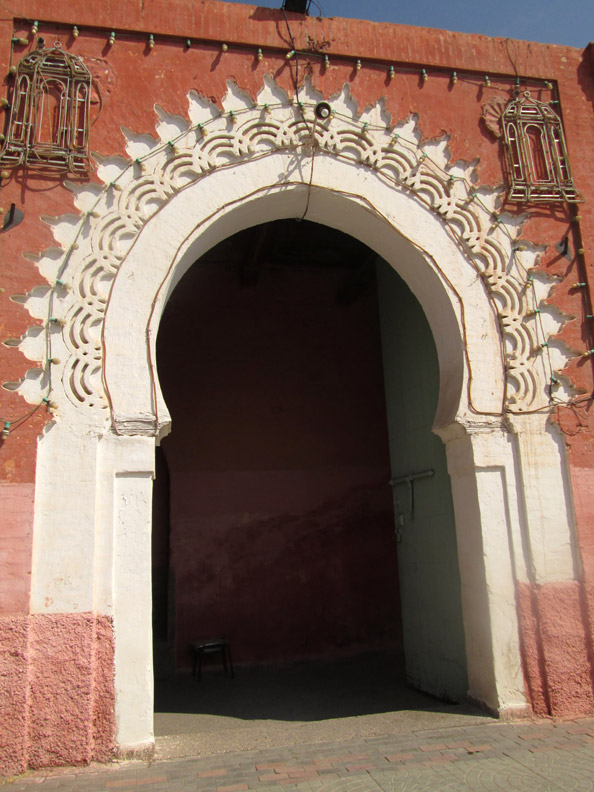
16,529
557,653
56,689
13,693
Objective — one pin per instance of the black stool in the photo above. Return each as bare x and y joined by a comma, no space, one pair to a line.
210,646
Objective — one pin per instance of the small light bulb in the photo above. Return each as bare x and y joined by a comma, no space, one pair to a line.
424,75
548,85
358,65
12,69
75,32
3,102
111,39
326,61
35,27
4,174
55,361
260,56
290,54
22,41
224,47
6,429
454,78
391,73
487,81
57,321
151,41
188,43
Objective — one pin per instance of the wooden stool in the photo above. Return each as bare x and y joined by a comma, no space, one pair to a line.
210,646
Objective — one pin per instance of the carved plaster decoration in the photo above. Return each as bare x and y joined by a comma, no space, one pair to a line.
492,113
93,244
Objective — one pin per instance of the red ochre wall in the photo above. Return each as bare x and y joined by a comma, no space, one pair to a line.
282,529
131,79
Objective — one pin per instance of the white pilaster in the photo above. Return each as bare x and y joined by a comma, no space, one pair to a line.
547,501
128,463
481,467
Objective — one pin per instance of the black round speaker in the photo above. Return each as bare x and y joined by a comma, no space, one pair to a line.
323,111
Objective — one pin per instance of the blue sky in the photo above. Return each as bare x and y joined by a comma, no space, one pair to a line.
568,22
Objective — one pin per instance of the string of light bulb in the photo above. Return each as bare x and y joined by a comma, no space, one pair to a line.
361,128
327,58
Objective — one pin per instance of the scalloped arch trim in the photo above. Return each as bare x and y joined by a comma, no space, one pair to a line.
94,245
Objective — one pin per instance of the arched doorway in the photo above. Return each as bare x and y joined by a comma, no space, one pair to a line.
283,533
441,305
126,265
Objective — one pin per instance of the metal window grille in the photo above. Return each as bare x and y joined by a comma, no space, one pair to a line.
537,154
49,119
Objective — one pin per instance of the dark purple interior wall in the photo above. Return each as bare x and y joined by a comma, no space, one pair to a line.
281,514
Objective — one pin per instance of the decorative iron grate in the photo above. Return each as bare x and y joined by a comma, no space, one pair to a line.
49,118
538,161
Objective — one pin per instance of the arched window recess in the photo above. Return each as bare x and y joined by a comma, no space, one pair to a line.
537,154
49,118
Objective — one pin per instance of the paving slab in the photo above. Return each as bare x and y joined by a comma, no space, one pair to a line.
488,757
353,726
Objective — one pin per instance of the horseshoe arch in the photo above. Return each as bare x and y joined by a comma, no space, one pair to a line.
175,199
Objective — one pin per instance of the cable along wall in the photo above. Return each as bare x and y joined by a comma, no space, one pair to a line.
96,243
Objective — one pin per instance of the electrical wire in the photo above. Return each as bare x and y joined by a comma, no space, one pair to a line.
412,144
310,130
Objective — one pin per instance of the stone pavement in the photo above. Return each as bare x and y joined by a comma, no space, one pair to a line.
535,756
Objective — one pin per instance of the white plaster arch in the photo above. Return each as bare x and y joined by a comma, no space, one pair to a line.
399,230
281,144
152,218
